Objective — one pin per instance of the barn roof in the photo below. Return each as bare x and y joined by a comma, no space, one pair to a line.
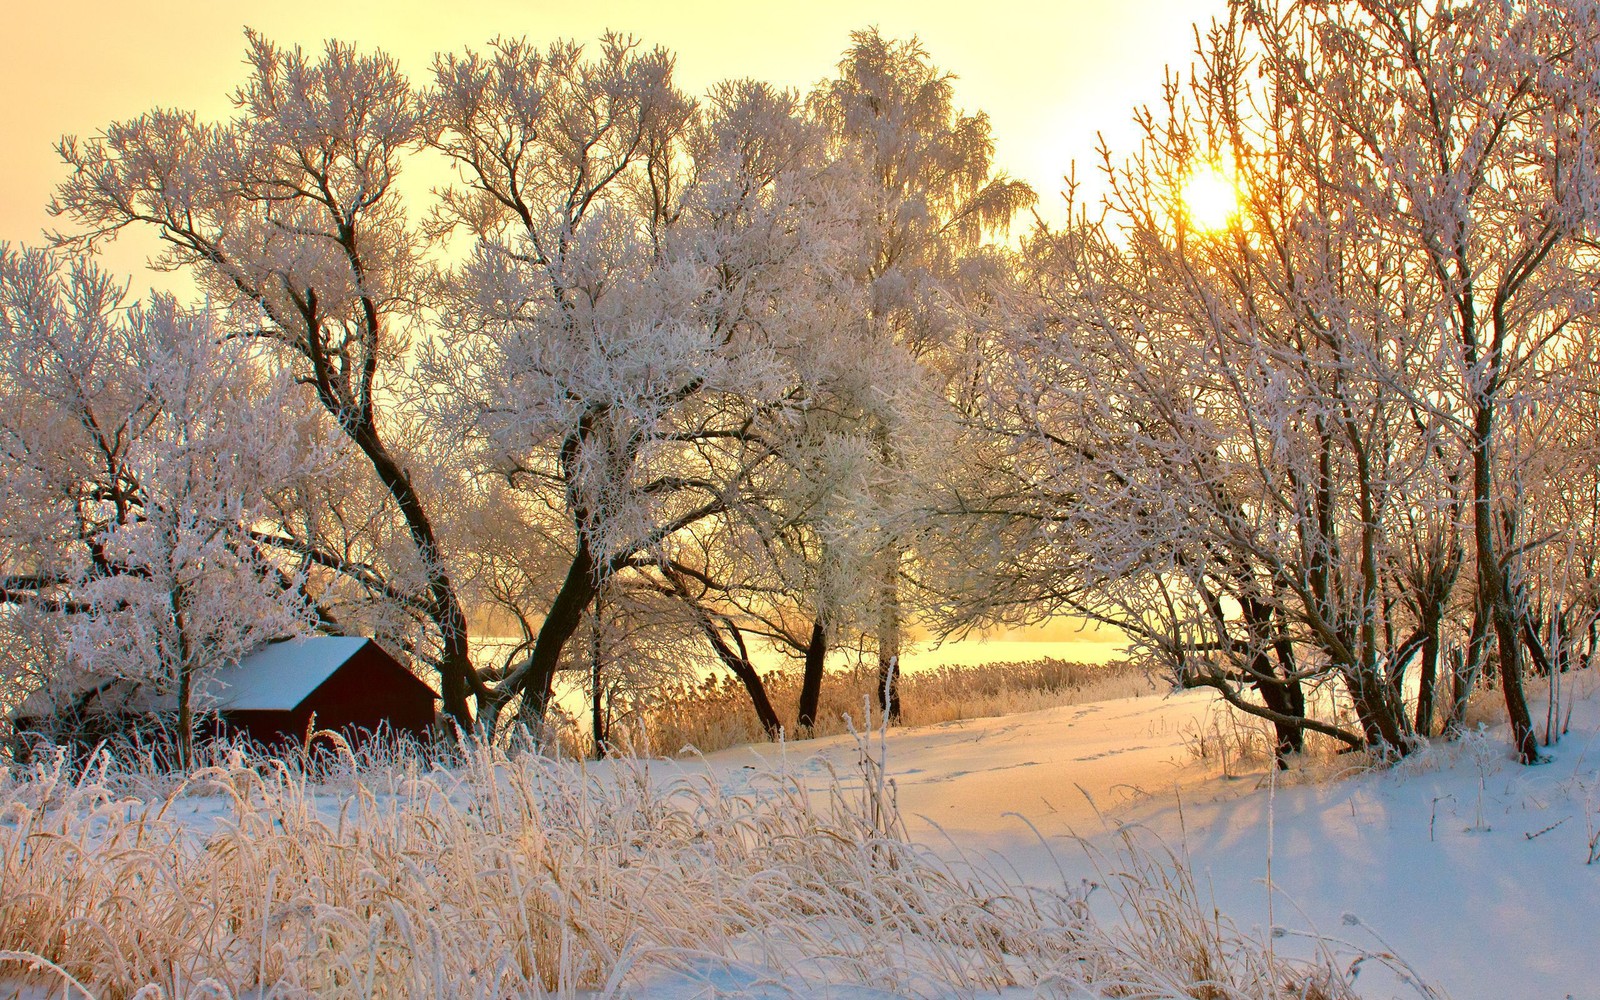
283,674
276,677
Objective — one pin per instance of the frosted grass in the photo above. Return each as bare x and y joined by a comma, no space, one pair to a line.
510,874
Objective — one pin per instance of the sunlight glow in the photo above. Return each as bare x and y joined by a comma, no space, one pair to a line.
1210,198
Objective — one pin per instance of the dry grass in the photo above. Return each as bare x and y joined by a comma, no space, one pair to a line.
716,713
514,875
1238,744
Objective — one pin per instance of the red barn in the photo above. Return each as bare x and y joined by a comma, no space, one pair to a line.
349,684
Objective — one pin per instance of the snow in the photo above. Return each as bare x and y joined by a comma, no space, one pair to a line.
1478,876
278,676
1471,868
282,674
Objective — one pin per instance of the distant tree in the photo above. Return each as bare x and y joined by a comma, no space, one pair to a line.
821,554
1556,487
930,196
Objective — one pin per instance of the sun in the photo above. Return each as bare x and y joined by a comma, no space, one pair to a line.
1210,198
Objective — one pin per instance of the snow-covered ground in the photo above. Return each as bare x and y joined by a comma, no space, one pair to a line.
1483,875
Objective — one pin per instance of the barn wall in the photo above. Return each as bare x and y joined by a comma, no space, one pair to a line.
372,690
268,728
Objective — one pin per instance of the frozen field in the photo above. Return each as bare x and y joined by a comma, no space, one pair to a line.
1483,875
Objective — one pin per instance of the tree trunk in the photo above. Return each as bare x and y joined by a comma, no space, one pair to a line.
889,606
1523,741
1492,577
811,679
1381,716
1294,696
536,682
888,685
443,609
186,719
738,662
1506,628
1286,699
185,732
1466,667
1284,696
1428,678
597,715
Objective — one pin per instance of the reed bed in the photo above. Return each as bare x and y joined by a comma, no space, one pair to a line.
511,874
715,713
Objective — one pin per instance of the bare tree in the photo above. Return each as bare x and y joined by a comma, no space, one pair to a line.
1253,444
1466,133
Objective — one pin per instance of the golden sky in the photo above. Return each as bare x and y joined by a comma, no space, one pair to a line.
1050,75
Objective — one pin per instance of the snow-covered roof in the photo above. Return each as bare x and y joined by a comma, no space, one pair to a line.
94,693
281,675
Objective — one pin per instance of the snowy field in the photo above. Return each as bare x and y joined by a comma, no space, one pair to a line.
1483,875
1456,874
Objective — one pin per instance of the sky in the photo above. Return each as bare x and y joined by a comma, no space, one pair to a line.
1050,75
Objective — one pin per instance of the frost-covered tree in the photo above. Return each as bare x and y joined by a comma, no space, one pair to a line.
1262,448
792,564
929,197
139,450
1468,134
288,215
641,284
1556,486
621,343
819,555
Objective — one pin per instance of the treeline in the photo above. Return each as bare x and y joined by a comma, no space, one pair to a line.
656,377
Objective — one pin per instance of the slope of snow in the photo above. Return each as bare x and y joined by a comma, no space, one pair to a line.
1482,875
